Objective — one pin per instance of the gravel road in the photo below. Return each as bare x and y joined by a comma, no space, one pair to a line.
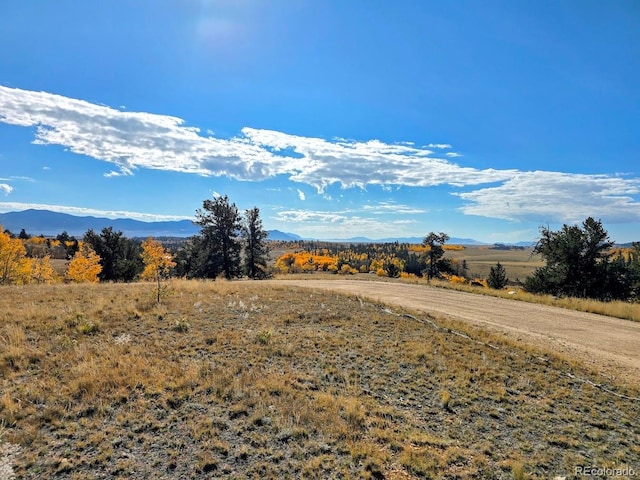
610,345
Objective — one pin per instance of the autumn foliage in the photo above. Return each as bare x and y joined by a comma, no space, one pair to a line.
41,270
383,259
305,262
18,269
84,266
157,262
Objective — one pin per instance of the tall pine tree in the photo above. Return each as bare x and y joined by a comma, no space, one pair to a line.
220,246
256,250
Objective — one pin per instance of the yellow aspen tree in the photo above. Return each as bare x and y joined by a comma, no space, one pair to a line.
85,266
41,270
157,262
15,267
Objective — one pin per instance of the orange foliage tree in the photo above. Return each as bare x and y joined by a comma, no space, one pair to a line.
303,262
84,266
157,262
15,267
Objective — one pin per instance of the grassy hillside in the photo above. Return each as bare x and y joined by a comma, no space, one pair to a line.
244,380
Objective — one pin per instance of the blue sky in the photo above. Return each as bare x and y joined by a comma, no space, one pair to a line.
483,119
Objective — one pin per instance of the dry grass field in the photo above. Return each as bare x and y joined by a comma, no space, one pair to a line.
519,264
246,380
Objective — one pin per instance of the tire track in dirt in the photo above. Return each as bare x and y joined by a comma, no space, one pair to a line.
611,345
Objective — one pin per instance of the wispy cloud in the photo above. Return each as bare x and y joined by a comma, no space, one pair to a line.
554,196
17,177
133,140
301,195
392,207
6,188
343,224
139,140
83,212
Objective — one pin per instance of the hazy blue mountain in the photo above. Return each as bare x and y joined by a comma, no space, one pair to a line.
278,235
48,223
45,222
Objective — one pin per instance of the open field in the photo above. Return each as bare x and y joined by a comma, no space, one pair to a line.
261,380
519,264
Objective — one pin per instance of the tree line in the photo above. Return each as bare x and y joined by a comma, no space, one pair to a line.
580,260
229,245
384,259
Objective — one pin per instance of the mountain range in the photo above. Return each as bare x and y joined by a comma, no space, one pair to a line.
48,223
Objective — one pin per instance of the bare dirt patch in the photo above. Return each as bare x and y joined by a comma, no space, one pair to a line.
610,345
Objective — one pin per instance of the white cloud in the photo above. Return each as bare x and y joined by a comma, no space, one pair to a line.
6,188
391,207
130,140
133,140
301,194
321,163
17,177
80,212
300,216
123,172
341,224
139,140
554,196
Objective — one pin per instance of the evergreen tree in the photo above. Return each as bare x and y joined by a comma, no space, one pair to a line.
256,250
578,264
220,245
435,242
187,258
119,256
497,277
392,270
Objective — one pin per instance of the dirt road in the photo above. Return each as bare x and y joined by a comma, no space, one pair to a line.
610,345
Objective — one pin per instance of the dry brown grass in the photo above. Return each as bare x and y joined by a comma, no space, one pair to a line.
97,381
519,264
